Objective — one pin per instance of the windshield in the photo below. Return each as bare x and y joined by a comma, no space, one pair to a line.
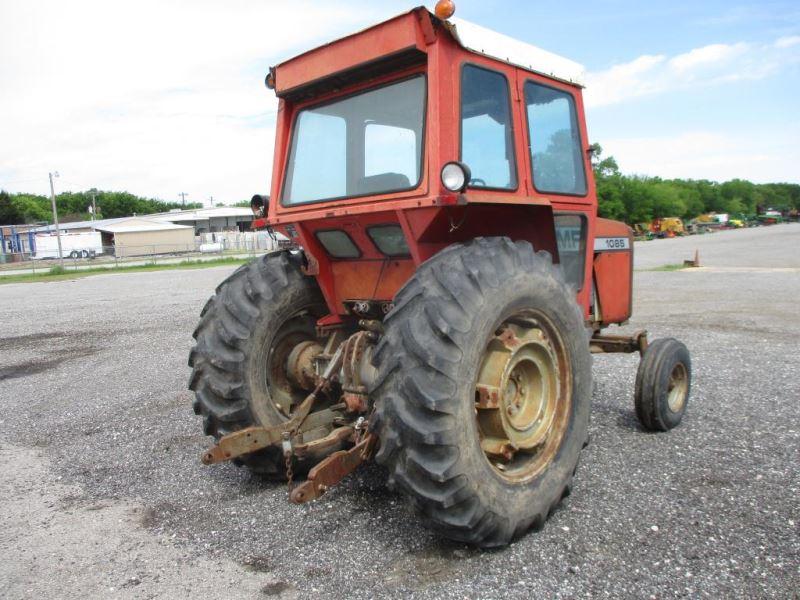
370,143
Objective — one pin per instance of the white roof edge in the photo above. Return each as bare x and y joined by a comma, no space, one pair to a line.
122,228
502,47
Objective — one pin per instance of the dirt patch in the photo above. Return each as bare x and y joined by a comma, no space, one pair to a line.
318,572
149,518
276,588
259,564
95,550
435,564
25,341
32,367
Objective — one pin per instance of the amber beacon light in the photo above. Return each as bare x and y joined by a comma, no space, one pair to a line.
445,9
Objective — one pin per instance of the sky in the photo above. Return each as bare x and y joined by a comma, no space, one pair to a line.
162,97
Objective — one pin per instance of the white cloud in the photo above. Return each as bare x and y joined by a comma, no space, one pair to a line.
710,155
156,97
711,55
623,81
788,41
707,65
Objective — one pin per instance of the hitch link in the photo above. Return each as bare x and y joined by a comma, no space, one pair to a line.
332,470
251,439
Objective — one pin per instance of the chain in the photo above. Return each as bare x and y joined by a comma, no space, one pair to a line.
289,473
287,453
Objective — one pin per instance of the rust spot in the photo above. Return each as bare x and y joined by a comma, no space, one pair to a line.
355,402
313,265
508,338
488,396
498,447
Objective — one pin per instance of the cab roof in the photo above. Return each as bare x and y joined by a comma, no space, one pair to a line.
484,41
402,41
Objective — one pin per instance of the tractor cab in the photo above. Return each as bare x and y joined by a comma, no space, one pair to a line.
421,132
447,282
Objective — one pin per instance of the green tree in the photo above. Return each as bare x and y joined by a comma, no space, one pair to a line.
8,212
31,208
738,196
609,185
667,200
74,206
638,199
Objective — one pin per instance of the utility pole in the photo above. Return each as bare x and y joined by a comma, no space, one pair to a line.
183,198
211,201
55,217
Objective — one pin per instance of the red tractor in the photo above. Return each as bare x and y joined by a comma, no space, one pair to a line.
446,282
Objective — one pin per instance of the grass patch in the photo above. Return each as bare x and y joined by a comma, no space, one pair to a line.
676,267
58,273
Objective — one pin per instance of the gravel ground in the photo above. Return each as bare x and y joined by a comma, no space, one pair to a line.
103,493
754,248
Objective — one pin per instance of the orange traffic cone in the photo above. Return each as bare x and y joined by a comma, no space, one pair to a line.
695,262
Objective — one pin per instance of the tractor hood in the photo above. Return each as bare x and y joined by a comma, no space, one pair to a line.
401,42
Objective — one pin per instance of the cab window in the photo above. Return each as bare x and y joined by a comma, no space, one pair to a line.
368,143
571,241
487,137
388,148
555,143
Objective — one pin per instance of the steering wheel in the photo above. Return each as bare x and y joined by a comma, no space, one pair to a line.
477,181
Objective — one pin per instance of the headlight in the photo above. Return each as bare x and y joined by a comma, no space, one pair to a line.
455,176
258,204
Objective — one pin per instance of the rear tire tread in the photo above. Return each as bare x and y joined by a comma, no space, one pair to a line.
416,380
219,357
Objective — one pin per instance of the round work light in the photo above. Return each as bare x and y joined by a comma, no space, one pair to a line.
455,176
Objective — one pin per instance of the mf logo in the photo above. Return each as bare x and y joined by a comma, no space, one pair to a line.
568,238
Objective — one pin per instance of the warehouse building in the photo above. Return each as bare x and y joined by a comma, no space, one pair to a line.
209,220
141,237
222,227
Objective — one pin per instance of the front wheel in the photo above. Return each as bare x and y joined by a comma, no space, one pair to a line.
663,382
483,390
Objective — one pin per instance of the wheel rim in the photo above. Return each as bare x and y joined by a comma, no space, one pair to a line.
678,387
281,395
522,396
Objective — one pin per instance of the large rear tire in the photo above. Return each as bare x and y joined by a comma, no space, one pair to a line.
483,390
246,331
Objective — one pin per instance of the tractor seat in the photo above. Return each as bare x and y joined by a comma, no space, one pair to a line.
384,182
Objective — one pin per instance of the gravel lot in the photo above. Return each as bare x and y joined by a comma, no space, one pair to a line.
103,493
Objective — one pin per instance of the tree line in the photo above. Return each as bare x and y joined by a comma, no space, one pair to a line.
18,209
629,198
639,199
